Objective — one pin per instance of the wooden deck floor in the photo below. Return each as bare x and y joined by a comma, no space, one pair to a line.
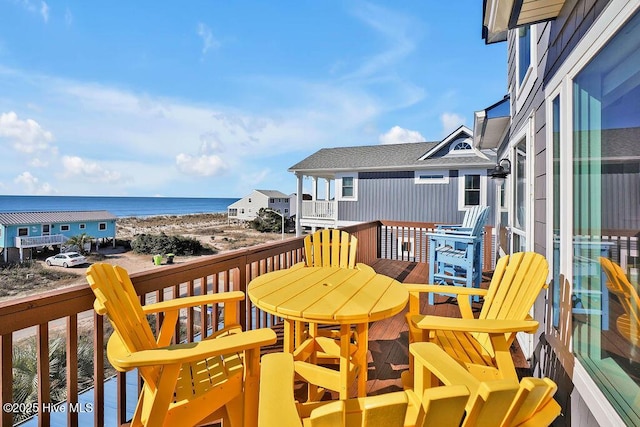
388,339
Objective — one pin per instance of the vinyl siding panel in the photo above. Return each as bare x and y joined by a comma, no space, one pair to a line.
395,196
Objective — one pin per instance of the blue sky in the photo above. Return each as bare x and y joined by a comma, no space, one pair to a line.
216,98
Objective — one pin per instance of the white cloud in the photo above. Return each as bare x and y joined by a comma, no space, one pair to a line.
38,163
209,42
451,122
200,166
398,135
68,17
31,184
76,167
27,135
44,11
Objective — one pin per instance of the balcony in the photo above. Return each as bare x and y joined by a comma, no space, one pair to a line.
323,210
66,316
35,241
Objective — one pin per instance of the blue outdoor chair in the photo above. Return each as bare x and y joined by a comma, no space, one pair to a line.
455,253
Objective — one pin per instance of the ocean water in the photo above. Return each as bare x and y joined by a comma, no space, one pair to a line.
118,206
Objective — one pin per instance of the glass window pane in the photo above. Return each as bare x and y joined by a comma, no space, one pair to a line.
347,186
524,52
606,218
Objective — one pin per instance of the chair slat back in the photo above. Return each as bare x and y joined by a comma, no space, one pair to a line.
477,227
517,280
471,216
534,394
491,402
330,248
618,284
443,406
117,298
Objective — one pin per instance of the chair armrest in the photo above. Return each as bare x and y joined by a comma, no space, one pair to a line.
178,303
491,326
456,237
434,359
189,352
277,406
444,289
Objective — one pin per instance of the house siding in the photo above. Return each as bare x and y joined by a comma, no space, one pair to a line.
396,196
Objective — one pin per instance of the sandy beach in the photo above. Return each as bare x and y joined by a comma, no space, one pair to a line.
212,230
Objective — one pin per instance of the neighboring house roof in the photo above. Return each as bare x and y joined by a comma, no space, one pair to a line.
408,156
19,218
273,194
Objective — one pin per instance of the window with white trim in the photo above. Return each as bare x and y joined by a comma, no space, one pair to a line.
23,231
348,185
102,226
65,227
472,188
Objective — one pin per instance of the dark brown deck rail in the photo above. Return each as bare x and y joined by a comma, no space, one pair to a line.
69,312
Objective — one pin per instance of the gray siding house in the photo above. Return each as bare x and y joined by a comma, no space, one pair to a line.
247,208
22,231
572,138
423,182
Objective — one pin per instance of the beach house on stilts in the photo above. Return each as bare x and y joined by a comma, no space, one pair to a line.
21,232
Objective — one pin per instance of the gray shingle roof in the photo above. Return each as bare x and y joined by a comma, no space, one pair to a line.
380,157
17,218
273,194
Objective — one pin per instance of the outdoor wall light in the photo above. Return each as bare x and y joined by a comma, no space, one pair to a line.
500,172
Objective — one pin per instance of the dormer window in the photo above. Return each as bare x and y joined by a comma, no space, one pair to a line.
460,146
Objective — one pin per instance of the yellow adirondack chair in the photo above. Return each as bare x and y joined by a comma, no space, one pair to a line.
439,406
482,344
330,248
184,384
628,324
503,402
462,401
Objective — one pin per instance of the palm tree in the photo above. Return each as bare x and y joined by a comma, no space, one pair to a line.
79,241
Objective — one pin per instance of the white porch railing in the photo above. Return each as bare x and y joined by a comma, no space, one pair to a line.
320,209
30,242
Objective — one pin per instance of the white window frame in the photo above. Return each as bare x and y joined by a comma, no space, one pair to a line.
526,134
102,226
339,195
82,226
461,187
22,235
523,89
612,19
65,227
419,180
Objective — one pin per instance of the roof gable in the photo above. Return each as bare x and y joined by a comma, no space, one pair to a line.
407,156
461,132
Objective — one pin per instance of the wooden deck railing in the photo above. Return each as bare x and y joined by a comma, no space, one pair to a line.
68,313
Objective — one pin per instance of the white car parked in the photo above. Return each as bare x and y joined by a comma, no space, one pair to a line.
67,259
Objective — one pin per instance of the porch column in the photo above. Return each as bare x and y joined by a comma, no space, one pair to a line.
299,177
314,188
327,189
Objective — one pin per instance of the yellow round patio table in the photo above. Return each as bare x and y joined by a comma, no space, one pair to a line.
348,297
